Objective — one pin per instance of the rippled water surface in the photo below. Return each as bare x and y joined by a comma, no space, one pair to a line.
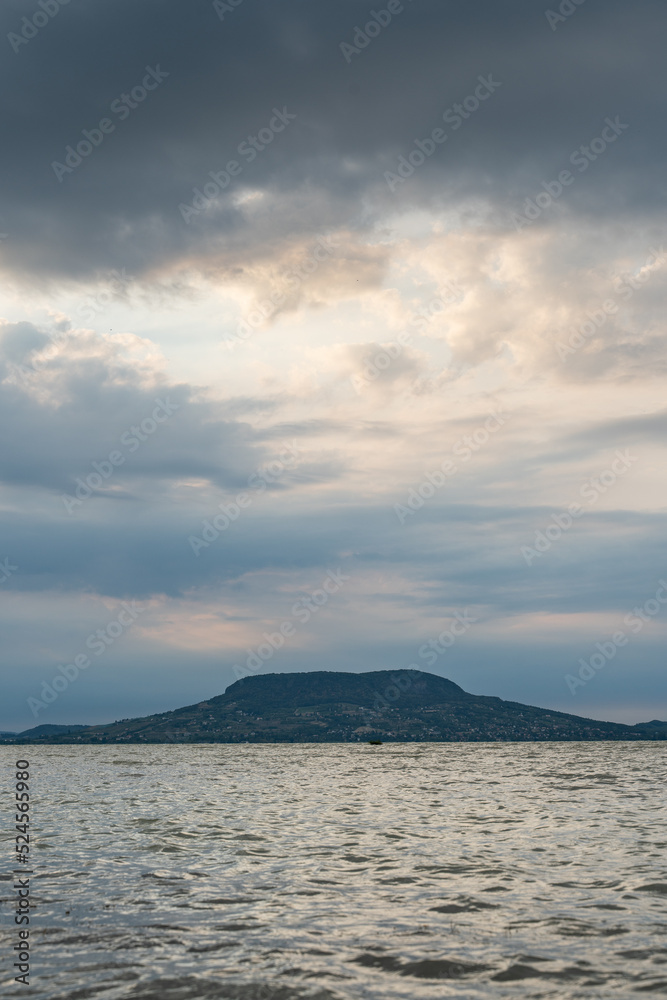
336,871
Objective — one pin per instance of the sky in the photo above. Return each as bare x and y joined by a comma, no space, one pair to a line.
332,337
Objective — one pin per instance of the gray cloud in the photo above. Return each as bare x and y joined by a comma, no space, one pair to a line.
74,402
120,207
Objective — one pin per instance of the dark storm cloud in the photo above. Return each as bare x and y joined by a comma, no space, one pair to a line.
119,208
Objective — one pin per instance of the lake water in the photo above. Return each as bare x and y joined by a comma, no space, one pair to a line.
344,871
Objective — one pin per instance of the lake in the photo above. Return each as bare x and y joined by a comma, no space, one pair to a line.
280,871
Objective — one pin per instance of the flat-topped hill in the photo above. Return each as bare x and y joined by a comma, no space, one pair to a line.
327,706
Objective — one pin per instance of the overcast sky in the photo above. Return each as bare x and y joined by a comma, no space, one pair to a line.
337,317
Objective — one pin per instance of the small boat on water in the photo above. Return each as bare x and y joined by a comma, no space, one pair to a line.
375,743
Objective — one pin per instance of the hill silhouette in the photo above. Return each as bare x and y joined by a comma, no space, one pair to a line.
334,707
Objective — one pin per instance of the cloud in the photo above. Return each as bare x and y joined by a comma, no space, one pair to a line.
76,397
120,207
